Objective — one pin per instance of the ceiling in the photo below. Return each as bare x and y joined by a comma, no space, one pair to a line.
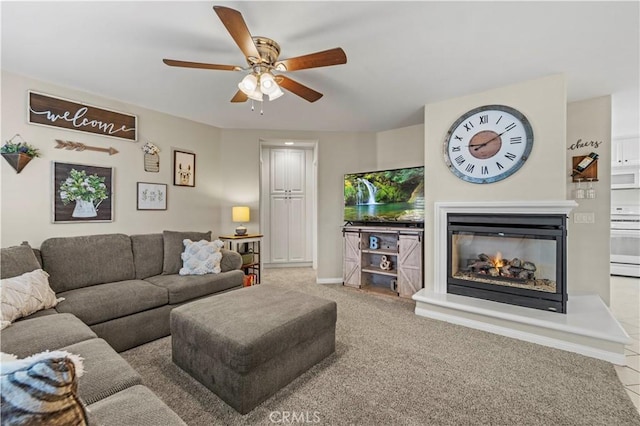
401,55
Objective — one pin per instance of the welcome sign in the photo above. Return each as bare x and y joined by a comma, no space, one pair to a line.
66,114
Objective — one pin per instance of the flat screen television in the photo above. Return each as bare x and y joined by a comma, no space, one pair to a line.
385,197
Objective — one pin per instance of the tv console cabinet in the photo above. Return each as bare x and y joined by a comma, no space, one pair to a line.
367,249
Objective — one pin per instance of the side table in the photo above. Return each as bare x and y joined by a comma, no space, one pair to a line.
250,247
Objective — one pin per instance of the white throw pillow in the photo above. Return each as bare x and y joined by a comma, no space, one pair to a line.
201,257
25,294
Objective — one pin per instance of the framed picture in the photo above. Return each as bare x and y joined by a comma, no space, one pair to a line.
184,168
152,196
82,193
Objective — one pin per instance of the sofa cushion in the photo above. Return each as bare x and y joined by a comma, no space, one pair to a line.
24,338
173,248
41,313
136,405
104,302
186,287
201,257
148,254
24,295
106,372
17,260
75,262
42,390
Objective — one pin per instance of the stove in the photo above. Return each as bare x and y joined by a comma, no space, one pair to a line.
625,240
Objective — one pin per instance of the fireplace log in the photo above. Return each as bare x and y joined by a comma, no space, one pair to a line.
529,266
515,262
484,257
506,270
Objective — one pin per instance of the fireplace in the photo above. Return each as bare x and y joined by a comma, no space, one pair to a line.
518,259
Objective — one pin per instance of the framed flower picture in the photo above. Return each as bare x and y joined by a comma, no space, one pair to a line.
82,193
152,196
184,168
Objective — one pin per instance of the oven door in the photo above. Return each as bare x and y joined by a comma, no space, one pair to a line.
625,252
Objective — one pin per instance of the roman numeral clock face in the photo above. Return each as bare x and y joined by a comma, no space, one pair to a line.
488,144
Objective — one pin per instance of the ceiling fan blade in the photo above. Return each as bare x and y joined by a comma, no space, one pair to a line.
298,89
234,22
239,97
314,60
186,64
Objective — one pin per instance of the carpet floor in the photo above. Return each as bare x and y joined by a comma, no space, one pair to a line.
392,367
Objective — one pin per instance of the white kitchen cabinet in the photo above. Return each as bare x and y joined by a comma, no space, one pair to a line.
625,151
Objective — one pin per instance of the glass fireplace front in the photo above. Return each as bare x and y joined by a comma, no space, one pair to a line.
516,259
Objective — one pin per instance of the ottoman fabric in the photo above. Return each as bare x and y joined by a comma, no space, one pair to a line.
248,344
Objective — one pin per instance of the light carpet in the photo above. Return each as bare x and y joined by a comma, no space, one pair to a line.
392,367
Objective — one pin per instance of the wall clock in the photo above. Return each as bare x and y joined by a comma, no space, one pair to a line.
488,144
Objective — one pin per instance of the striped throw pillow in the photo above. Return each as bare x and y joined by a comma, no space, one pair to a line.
42,390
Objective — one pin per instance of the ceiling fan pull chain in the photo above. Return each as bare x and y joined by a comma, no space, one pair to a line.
261,109
252,108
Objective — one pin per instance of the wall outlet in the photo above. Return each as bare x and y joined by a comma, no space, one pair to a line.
584,217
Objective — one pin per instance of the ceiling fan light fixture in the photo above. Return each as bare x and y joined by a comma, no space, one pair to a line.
256,95
249,84
268,84
276,94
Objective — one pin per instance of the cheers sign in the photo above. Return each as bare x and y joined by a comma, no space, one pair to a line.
57,112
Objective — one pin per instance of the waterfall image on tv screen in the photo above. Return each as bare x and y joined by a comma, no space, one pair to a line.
385,196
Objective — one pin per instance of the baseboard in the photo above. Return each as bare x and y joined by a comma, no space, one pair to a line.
288,265
329,280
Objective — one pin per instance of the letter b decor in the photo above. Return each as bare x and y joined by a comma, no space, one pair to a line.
374,243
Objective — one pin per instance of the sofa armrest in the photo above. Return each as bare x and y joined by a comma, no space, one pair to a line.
231,260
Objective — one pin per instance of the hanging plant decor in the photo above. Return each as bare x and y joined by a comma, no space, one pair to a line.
18,154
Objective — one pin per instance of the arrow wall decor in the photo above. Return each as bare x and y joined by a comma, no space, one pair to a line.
77,146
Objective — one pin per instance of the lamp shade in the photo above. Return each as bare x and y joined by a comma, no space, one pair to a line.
267,84
240,214
248,84
276,94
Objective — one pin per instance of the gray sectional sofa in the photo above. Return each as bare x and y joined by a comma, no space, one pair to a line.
118,293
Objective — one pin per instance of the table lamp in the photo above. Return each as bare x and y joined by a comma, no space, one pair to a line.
240,214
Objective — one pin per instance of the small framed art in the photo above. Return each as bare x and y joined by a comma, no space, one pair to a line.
82,193
151,196
184,168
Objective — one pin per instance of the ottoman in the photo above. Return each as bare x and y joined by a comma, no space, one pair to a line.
247,344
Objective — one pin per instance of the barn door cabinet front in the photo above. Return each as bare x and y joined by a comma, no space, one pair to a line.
385,260
409,264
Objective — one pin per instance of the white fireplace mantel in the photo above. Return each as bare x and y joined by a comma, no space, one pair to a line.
588,327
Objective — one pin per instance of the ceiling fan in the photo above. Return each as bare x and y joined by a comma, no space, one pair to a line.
264,78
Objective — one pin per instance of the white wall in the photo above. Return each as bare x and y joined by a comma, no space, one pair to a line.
542,177
227,174
27,197
228,168
545,175
338,153
588,257
403,147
